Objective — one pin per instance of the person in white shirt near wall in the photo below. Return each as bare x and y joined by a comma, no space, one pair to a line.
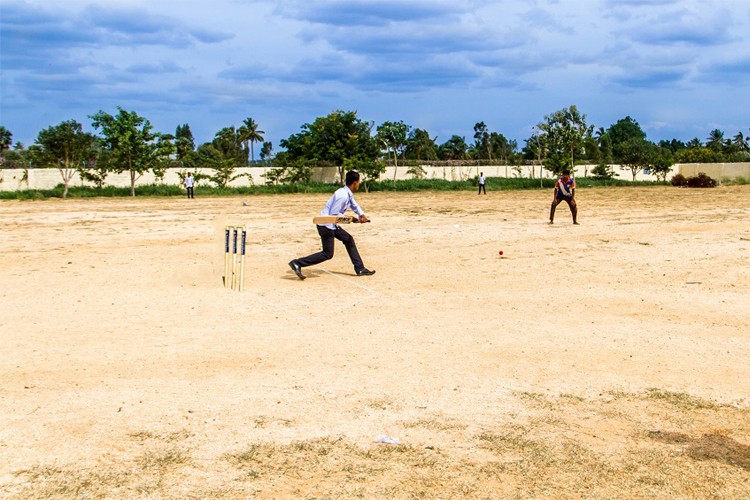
482,181
189,183
341,201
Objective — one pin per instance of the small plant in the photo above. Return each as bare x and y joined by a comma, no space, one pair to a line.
416,171
602,171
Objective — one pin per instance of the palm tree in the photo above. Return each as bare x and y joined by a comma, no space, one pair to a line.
249,132
715,140
740,141
6,138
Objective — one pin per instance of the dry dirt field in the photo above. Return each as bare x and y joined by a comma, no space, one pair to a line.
610,359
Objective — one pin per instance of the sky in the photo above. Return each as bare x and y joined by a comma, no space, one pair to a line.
680,68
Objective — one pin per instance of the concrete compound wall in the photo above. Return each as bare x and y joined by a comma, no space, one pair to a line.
48,178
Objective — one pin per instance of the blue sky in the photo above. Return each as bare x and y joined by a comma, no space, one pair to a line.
680,68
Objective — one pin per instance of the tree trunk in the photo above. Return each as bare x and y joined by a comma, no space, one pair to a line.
67,174
395,164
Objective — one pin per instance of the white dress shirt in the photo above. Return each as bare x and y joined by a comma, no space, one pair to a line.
341,201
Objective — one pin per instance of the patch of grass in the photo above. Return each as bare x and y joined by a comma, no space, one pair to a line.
648,444
434,424
163,459
54,482
680,400
168,437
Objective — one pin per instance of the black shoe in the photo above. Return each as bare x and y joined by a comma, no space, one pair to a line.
297,269
365,272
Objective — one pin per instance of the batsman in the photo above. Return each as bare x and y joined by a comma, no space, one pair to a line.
341,201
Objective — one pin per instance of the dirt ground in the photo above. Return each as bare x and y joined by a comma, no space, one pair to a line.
609,359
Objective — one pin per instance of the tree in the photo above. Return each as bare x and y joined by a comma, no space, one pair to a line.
624,130
222,163
249,132
628,144
332,139
501,148
715,141
604,143
165,150
420,146
674,145
6,138
453,149
266,151
482,145
98,167
741,142
636,154
536,148
228,142
393,135
184,143
698,155
66,147
661,163
130,141
369,170
290,170
566,130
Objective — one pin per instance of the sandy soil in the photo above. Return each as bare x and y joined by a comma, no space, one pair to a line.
116,327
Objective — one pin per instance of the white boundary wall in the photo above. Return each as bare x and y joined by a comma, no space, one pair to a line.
48,178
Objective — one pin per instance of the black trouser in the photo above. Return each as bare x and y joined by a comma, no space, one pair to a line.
190,193
571,203
326,237
481,188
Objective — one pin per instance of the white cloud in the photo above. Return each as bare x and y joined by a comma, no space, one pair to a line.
435,64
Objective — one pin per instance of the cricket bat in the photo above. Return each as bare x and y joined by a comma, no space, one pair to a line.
336,219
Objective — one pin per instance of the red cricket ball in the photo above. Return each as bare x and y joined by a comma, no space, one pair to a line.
501,252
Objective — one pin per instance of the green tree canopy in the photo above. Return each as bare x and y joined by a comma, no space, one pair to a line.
333,139
636,154
420,146
662,161
184,143
453,149
715,141
482,147
65,147
249,132
623,135
565,132
6,138
393,136
131,143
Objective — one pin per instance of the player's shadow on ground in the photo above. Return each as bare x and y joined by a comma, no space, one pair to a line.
316,273
309,274
714,446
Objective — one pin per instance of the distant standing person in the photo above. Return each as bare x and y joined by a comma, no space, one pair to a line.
482,181
341,201
189,183
565,190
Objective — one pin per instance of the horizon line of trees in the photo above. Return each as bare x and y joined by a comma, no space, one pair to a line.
126,142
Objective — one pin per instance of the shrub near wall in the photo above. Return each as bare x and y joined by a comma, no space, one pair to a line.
699,181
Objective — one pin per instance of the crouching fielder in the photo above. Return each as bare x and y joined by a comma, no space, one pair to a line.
565,190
